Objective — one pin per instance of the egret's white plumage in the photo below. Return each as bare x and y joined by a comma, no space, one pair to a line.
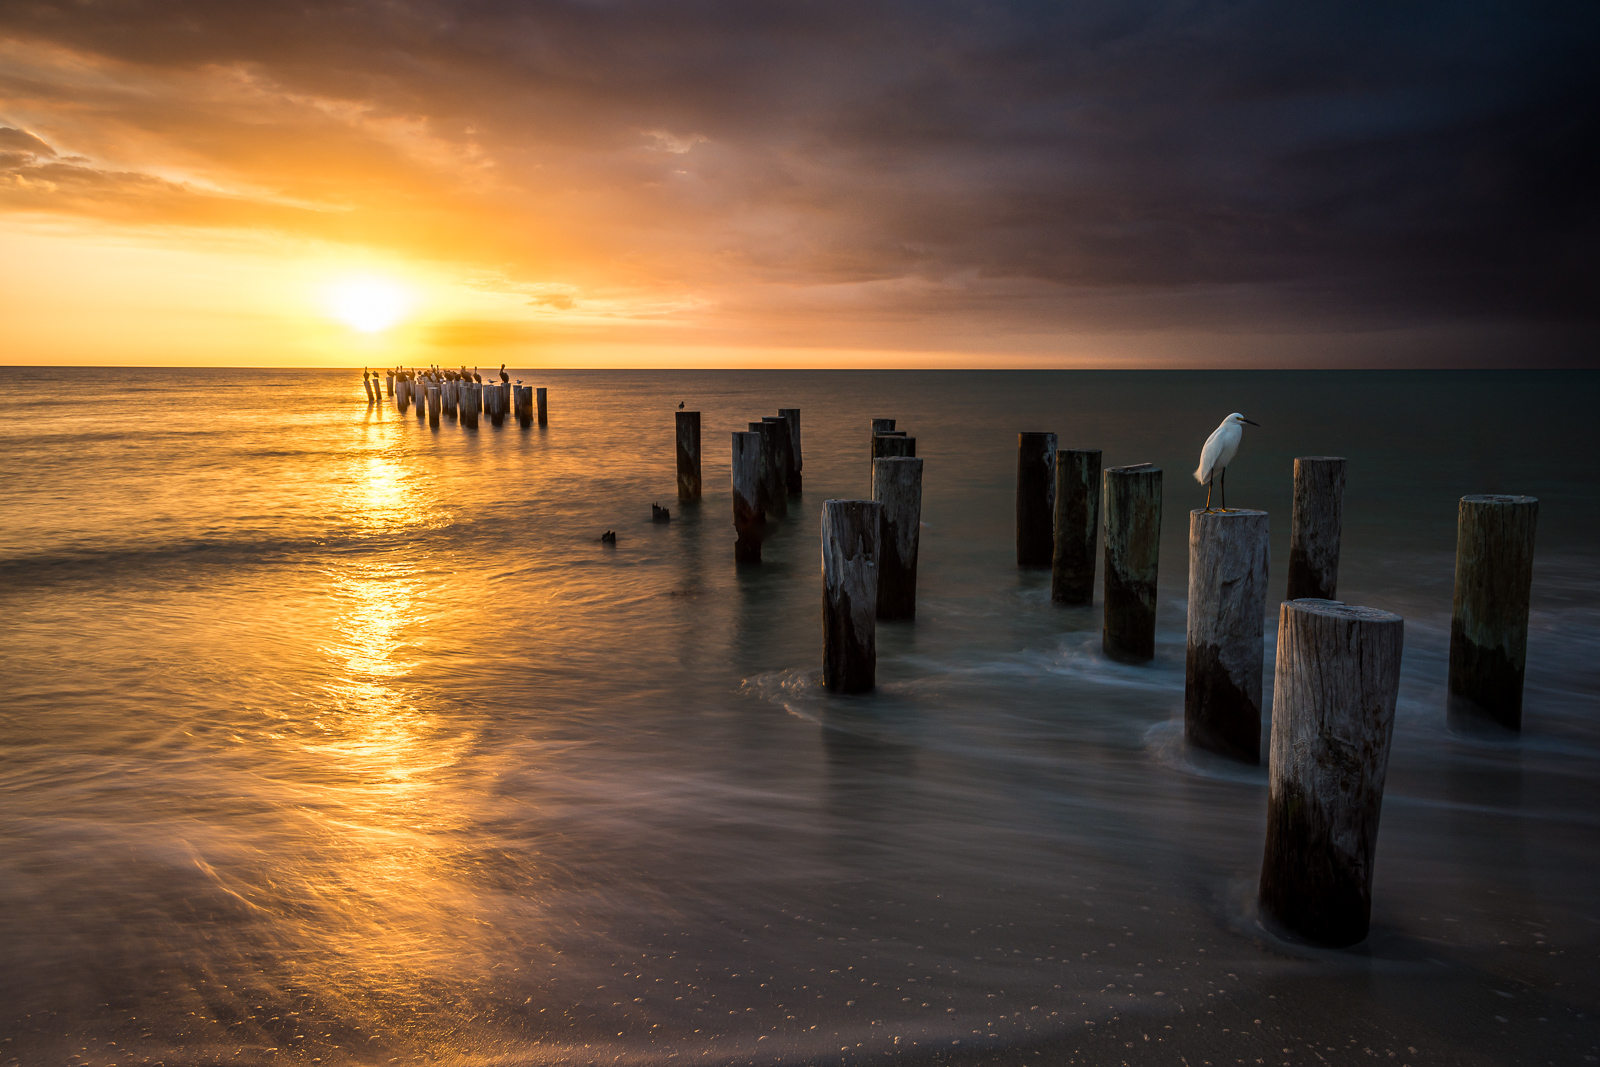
1219,450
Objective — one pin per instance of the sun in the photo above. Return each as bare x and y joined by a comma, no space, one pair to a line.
368,303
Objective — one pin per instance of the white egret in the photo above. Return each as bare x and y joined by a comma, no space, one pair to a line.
1219,450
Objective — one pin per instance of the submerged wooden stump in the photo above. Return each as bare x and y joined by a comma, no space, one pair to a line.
1228,556
542,400
792,416
747,512
782,458
1489,619
897,486
1131,503
1334,692
1036,490
1076,525
1314,527
850,594
688,437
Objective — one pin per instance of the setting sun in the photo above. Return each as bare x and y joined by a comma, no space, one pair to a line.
367,303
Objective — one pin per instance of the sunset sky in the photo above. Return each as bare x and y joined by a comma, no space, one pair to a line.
705,184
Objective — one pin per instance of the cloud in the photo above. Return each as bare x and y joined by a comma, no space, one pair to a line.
812,168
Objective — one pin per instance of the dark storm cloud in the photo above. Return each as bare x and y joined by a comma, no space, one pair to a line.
1373,162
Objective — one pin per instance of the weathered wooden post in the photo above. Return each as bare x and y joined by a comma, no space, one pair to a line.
1077,524
366,383
897,485
782,459
1314,527
850,594
776,505
793,473
1333,700
467,404
525,406
1132,506
1228,556
747,513
543,396
434,406
401,400
1489,619
688,427
882,426
419,396
494,402
1036,487
885,445
389,378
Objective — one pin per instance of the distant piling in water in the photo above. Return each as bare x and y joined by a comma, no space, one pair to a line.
1228,558
524,403
542,397
435,405
773,503
897,486
1076,525
467,404
748,515
389,378
792,416
1036,476
1131,503
1489,616
782,458
1314,527
850,594
688,442
889,445
1334,690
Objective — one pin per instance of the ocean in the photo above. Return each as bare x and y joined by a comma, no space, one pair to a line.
333,738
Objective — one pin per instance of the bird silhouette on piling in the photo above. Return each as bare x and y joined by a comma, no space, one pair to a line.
504,377
1219,450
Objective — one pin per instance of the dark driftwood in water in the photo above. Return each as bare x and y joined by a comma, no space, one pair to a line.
897,485
1228,552
1076,525
1333,702
435,405
688,432
1131,502
1036,489
747,512
782,458
850,594
468,403
659,514
541,397
792,416
1489,620
1314,527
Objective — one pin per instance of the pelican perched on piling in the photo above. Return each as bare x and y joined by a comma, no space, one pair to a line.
1219,450
504,377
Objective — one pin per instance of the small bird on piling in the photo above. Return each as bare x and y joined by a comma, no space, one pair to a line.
1219,450
504,377
680,405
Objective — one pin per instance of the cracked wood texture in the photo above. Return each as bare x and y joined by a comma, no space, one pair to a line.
1334,692
688,432
1489,619
897,485
1077,524
1131,503
850,554
1228,556
1036,490
747,514
792,417
1314,526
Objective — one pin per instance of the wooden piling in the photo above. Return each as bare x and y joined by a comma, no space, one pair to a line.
467,404
1314,527
1489,619
1076,525
1334,690
897,485
782,458
542,395
886,445
366,383
389,378
419,396
1228,556
688,427
435,405
792,415
524,398
850,553
1131,503
401,396
773,503
747,512
1036,488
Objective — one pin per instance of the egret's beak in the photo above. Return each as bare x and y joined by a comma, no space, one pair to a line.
1252,422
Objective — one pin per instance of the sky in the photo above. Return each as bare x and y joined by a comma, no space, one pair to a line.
696,183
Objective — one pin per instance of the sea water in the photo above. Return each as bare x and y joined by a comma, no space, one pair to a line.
330,737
